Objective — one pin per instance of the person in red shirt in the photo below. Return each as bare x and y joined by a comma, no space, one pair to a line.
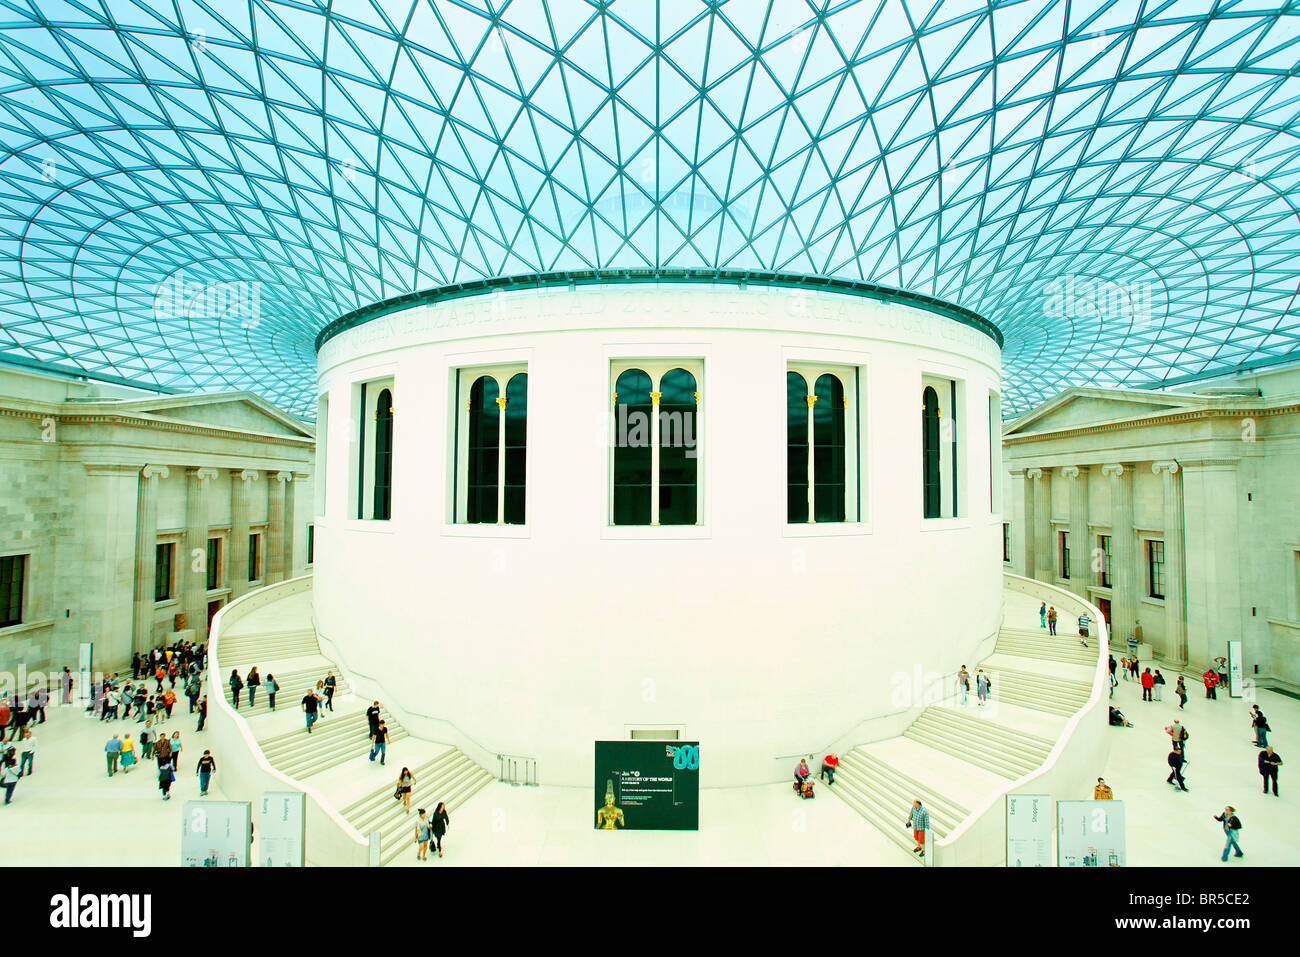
1148,682
829,764
1211,679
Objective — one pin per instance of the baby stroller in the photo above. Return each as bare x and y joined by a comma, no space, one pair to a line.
804,788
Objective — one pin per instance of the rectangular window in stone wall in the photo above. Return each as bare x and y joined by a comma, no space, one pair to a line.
311,544
1065,554
1156,566
214,563
162,571
254,553
1006,541
1105,561
13,570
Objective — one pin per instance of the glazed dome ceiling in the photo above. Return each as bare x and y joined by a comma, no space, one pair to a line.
190,191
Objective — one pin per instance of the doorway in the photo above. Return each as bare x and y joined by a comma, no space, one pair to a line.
213,608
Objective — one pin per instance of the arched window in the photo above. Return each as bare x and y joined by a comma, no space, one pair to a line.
828,444
484,451
796,401
633,453
383,455
678,448
930,453
516,448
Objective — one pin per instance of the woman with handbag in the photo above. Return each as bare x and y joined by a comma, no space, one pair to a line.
403,792
439,825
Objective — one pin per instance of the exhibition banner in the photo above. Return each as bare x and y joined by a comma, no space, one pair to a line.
1029,830
647,785
281,830
1090,834
216,833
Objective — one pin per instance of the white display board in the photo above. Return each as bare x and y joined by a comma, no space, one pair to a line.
83,671
1234,669
216,833
1029,830
281,829
1090,834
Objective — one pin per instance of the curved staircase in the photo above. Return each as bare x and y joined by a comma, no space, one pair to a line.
952,756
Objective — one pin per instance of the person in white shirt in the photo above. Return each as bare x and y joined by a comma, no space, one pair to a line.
28,751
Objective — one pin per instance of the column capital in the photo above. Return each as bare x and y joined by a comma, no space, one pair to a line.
1074,471
811,400
1114,470
285,477
1035,474
1169,466
501,402
248,475
155,471
655,397
206,474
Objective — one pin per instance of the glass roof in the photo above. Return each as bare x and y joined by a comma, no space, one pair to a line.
190,191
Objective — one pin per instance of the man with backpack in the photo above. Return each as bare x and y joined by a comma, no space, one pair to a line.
1231,827
1179,735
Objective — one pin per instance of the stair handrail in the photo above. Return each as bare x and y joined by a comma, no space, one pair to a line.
217,695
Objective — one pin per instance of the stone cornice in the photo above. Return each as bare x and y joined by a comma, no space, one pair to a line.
153,423
1166,418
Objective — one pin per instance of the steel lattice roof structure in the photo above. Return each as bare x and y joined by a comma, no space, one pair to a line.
190,191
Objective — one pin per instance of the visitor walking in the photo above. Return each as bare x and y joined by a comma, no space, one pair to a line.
272,686
113,751
1222,676
309,706
1042,615
176,749
165,778
330,684
380,739
9,775
1158,685
206,767
1148,682
193,688
982,686
1269,762
403,792
128,753
1231,828
1123,668
236,685
422,837
1051,620
963,684
439,825
36,704
1133,666
66,681
919,822
1102,791
1260,724
372,716
1180,689
27,750
1175,761
169,701
162,749
254,682
1178,734
147,735
203,712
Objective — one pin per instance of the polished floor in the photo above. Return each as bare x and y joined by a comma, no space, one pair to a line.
70,813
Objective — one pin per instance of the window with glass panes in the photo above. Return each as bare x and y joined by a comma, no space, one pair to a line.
13,571
254,556
1156,568
1065,554
214,563
1105,561
162,571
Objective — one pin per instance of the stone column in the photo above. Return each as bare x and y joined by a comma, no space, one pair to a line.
1044,553
240,497
1080,542
286,548
194,563
274,571
1125,572
1175,585
146,543
1212,549
1022,543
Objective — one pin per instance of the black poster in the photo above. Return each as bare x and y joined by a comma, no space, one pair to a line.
647,785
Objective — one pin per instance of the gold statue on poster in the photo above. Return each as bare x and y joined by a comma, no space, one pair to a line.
609,817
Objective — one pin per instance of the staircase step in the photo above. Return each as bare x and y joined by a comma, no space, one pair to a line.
932,798
392,844
887,823
996,764
990,728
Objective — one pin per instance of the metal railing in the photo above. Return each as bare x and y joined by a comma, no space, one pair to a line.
513,765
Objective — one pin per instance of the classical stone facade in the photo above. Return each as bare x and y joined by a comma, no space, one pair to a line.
1177,510
96,477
